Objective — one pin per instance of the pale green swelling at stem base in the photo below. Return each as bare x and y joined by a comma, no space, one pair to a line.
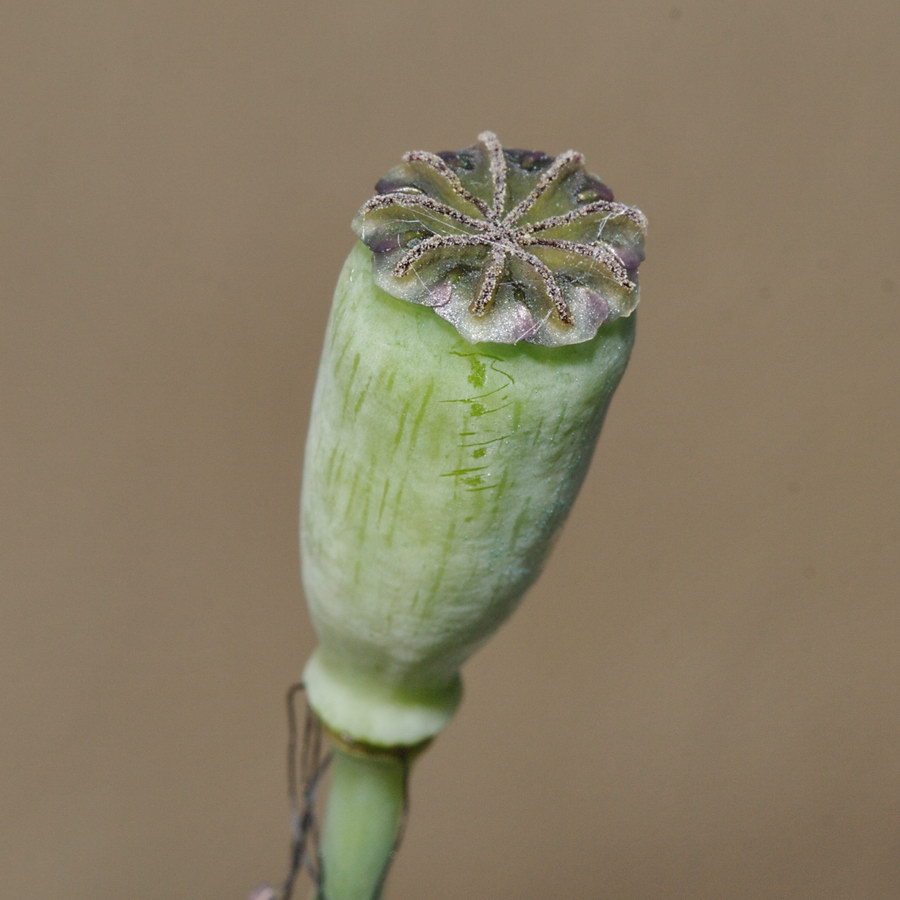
437,474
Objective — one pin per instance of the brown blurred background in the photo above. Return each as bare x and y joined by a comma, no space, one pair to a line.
699,699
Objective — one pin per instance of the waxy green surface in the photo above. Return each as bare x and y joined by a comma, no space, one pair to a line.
437,475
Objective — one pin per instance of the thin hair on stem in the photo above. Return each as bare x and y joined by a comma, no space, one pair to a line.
307,764
302,792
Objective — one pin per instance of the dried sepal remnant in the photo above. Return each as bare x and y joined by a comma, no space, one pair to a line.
506,245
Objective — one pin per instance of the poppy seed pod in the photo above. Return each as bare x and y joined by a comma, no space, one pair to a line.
478,331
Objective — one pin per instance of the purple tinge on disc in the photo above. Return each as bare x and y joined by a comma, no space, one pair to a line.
506,245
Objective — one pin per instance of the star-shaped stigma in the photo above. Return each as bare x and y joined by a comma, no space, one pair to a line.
507,245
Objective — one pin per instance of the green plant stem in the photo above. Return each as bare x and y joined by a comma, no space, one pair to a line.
362,819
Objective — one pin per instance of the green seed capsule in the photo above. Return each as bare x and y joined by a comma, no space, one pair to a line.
438,470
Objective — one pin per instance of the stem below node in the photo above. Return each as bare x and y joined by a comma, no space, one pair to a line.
363,818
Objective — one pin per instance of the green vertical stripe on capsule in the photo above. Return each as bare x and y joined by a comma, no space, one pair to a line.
437,474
